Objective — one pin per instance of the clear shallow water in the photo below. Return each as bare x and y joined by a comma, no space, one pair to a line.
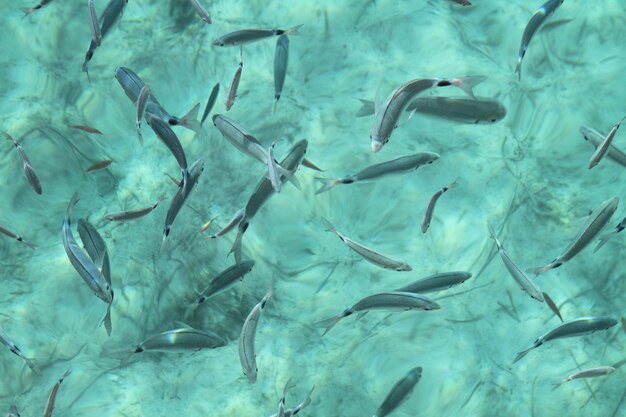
527,171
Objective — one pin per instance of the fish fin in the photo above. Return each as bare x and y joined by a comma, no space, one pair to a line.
361,315
107,320
555,386
327,184
307,163
190,119
236,248
272,167
293,30
124,360
492,232
518,68
73,201
329,226
32,365
523,353
468,83
329,323
290,176
603,240
367,108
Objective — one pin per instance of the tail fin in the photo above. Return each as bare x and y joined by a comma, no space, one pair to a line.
304,403
523,353
107,320
518,68
329,323
190,119
468,83
311,165
555,386
493,235
327,184
236,248
603,240
27,11
367,108
293,30
33,367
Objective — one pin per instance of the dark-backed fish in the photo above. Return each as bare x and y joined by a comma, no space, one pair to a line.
295,410
430,209
241,37
400,392
27,167
281,59
210,102
99,165
201,11
436,282
13,412
53,395
133,214
586,373
234,86
169,138
109,16
247,353
604,146
595,138
19,238
96,35
87,129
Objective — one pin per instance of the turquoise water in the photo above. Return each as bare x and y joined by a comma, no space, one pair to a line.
526,174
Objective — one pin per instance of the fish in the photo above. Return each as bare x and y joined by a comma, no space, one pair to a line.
281,403
222,282
295,410
20,239
603,239
190,179
29,10
534,24
281,60
586,373
178,341
4,339
387,116
462,2
142,102
169,138
245,36
436,282
53,395
595,139
133,214
428,214
109,16
208,224
99,165
210,102
603,147
399,165
594,224
386,301
96,35
13,412
370,255
201,11
240,214
311,165
87,129
552,306
247,353
578,327
400,392
27,167
234,85
529,286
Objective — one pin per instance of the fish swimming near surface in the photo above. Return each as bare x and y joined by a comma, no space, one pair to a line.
111,14
595,138
247,352
430,209
19,238
587,373
400,392
4,339
53,395
578,327
245,36
27,167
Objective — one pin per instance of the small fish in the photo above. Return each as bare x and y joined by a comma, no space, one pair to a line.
436,282
577,327
428,214
534,24
529,286
17,237
142,102
247,353
603,147
245,36
53,395
210,102
400,392
27,167
109,16
587,373
208,224
13,412
272,168
133,214
461,2
204,15
87,129
594,224
370,255
99,165
402,164
281,59
552,306
281,403
96,35
595,139
234,85
29,10
169,138
4,339
387,301
239,215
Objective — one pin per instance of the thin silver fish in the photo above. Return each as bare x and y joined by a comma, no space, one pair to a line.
387,116
20,239
387,301
210,102
96,35
204,15
394,166
536,21
29,172
370,255
400,392
603,239
13,412
4,339
594,138
430,209
29,10
529,286
142,102
586,373
109,16
239,215
133,214
247,353
234,85
578,327
281,60
604,146
436,282
241,37
169,138
53,395
594,224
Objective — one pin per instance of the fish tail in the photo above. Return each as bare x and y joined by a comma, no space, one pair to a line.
293,30
307,163
236,248
331,322
493,235
126,357
327,184
367,108
602,241
555,386
304,403
27,11
468,83
73,202
32,365
523,353
190,119
541,269
329,226
518,68
290,176
106,320
139,134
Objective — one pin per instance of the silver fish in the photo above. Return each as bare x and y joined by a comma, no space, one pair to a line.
587,373
529,286
577,327
109,16
603,239
96,249
29,10
222,282
400,392
387,116
428,214
281,59
436,282
595,139
604,146
29,172
17,237
387,301
241,37
234,86
96,35
239,215
370,255
247,353
240,138
395,166
53,395
594,224
204,15
13,412
4,339
535,22
142,102
210,102
169,138
133,214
